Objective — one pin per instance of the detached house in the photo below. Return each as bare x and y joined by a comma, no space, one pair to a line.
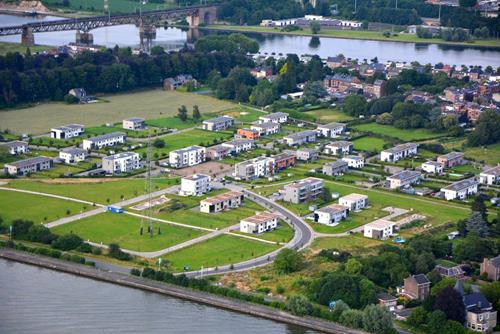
480,315
451,159
299,138
461,189
16,147
226,201
432,167
403,179
335,168
331,130
265,129
109,139
490,176
303,190
237,146
73,155
195,185
306,154
277,117
28,166
354,202
417,287
340,147
491,267
354,161
67,131
259,223
399,152
134,123
124,162
218,123
186,157
331,215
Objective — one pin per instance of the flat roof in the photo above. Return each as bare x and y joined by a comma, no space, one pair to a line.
275,115
339,143
222,197
267,125
14,143
332,125
236,142
300,183
333,208
492,171
187,149
106,136
261,217
336,164
28,162
432,162
196,177
404,175
219,119
401,147
451,155
457,186
120,155
353,157
73,126
301,134
380,224
353,197
73,150
134,119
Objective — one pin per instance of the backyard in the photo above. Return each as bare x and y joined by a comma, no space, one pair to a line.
402,134
329,115
369,144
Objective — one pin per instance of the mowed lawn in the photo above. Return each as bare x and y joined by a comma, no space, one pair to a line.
218,251
369,144
93,190
283,233
329,115
403,134
354,244
150,104
125,230
39,209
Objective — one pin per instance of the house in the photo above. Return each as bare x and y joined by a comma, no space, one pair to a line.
460,189
28,166
335,62
432,167
452,271
480,315
81,95
261,72
109,139
354,161
124,162
331,130
195,185
417,287
67,131
253,169
335,168
377,89
331,214
399,152
491,267
299,138
306,154
277,117
178,81
341,83
451,159
490,176
226,201
134,123
73,154
259,223
218,123
187,156
237,146
354,202
16,147
248,134
340,147
379,229
282,161
292,96
303,190
217,152
265,129
452,94
387,300
404,179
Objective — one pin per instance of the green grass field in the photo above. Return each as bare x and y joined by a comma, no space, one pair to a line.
242,114
221,250
354,219
6,47
283,233
124,230
489,154
101,130
58,143
369,144
15,205
115,6
329,115
172,123
403,134
354,244
148,104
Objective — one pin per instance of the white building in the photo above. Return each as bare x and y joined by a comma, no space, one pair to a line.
73,155
67,131
109,139
226,201
277,117
265,129
237,146
134,123
303,190
218,123
399,152
188,156
432,167
124,162
403,179
299,138
331,130
490,176
340,147
253,169
461,189
195,185
259,223
28,166
16,147
379,229
354,202
354,161
331,214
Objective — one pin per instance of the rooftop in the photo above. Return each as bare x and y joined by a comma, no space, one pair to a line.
354,197
275,115
401,147
28,162
220,119
302,134
222,197
432,163
134,119
492,171
106,136
451,155
333,209
196,177
353,157
261,217
457,186
73,150
339,143
404,175
121,155
188,149
236,142
15,143
421,279
301,183
332,125
337,164
69,127
380,224
385,296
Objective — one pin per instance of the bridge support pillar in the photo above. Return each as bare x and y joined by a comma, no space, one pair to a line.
27,37
84,38
147,33
206,15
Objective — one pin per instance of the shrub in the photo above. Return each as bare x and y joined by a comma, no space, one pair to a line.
67,242
299,305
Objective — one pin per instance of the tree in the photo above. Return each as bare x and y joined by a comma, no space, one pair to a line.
326,195
436,320
472,248
354,290
418,316
20,228
353,267
157,50
377,319
182,113
467,3
352,318
40,233
67,242
340,307
355,105
288,261
196,114
486,130
453,327
479,206
451,303
263,94
159,143
476,223
299,305
115,251
314,90
385,118
492,293
315,27
424,263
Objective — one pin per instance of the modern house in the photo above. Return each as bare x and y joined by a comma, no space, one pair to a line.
306,154
331,214
331,130
67,131
187,156
303,190
253,169
259,223
237,146
109,139
124,162
282,161
134,123
195,185
354,161
480,315
72,155
432,167
404,179
340,147
226,201
335,168
491,267
354,202
379,229
277,117
399,152
299,138
387,300
265,129
218,123
460,189
217,152
417,287
248,133
490,176
451,159
28,166
16,147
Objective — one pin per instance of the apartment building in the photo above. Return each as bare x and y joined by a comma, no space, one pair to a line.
195,185
340,147
404,179
335,168
300,138
67,131
28,166
226,201
331,130
218,123
303,190
217,152
399,152
277,117
259,223
124,162
306,154
72,155
451,159
490,176
354,161
109,139
134,123
331,214
432,167
461,189
354,202
266,129
187,156
248,134
237,146
282,161
263,166
16,147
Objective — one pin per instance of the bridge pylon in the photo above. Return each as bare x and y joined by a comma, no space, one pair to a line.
84,38
147,33
27,36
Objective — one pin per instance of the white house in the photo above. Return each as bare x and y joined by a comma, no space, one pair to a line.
109,139
379,229
237,146
188,156
354,161
403,179
67,131
73,155
299,138
253,169
331,214
16,147
124,162
340,147
354,202
28,166
461,189
399,152
490,176
432,167
226,201
134,123
277,117
195,185
259,223
218,124
265,129
331,130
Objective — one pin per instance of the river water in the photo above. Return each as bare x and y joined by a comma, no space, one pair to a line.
172,38
37,300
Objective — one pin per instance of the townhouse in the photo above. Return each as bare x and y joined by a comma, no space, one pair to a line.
340,147
399,152
451,159
237,146
195,185
259,223
460,189
354,161
266,129
218,123
341,83
277,117
72,155
67,131
432,167
124,162
16,147
248,133
490,176
282,161
404,179
226,201
331,130
354,202
331,214
300,138
303,190
134,123
306,154
379,229
377,89
187,156
417,287
217,152
491,267
109,139
28,166
335,168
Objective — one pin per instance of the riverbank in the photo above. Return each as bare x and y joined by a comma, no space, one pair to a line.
175,291
356,34
6,47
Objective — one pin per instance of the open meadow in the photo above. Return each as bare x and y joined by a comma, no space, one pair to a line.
402,134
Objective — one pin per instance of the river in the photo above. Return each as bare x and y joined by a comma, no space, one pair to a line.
172,38
36,300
